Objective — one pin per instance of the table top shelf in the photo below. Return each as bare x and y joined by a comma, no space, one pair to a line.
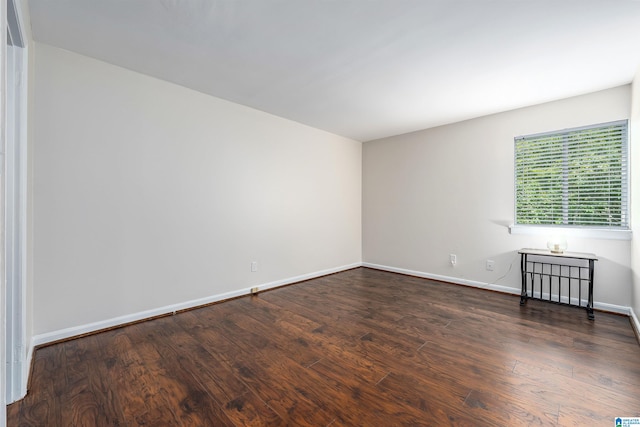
546,252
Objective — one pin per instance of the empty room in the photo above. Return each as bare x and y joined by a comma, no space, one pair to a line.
320,212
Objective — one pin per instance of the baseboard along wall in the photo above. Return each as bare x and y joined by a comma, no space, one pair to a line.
635,323
515,290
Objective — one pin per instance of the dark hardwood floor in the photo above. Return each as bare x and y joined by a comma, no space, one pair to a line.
361,347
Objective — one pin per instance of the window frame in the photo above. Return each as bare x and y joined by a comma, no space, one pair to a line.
622,232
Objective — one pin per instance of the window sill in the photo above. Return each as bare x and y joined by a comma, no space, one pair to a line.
587,233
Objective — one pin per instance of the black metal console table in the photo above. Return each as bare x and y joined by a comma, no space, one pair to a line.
553,277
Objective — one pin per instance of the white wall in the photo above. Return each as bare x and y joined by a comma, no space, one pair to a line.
635,190
147,194
449,190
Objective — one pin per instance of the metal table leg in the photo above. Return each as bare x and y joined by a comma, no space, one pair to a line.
590,303
523,269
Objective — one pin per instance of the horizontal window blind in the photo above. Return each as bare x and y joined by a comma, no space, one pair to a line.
575,177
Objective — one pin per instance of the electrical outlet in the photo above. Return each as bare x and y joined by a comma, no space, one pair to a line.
490,265
254,266
453,259
254,290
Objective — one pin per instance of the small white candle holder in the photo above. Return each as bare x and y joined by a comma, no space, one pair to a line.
557,245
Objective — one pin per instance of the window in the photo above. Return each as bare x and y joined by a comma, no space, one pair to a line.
573,178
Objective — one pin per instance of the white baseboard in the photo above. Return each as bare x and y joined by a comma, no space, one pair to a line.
493,287
635,322
612,308
75,331
25,368
458,281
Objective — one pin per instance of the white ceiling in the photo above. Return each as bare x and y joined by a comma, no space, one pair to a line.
364,69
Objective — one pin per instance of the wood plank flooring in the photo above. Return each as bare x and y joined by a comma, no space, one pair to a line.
357,348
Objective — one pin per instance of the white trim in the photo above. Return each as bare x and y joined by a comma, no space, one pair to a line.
493,287
612,308
3,314
580,232
635,322
576,129
27,364
134,317
15,208
456,280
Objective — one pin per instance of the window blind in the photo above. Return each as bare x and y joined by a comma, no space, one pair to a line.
575,177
